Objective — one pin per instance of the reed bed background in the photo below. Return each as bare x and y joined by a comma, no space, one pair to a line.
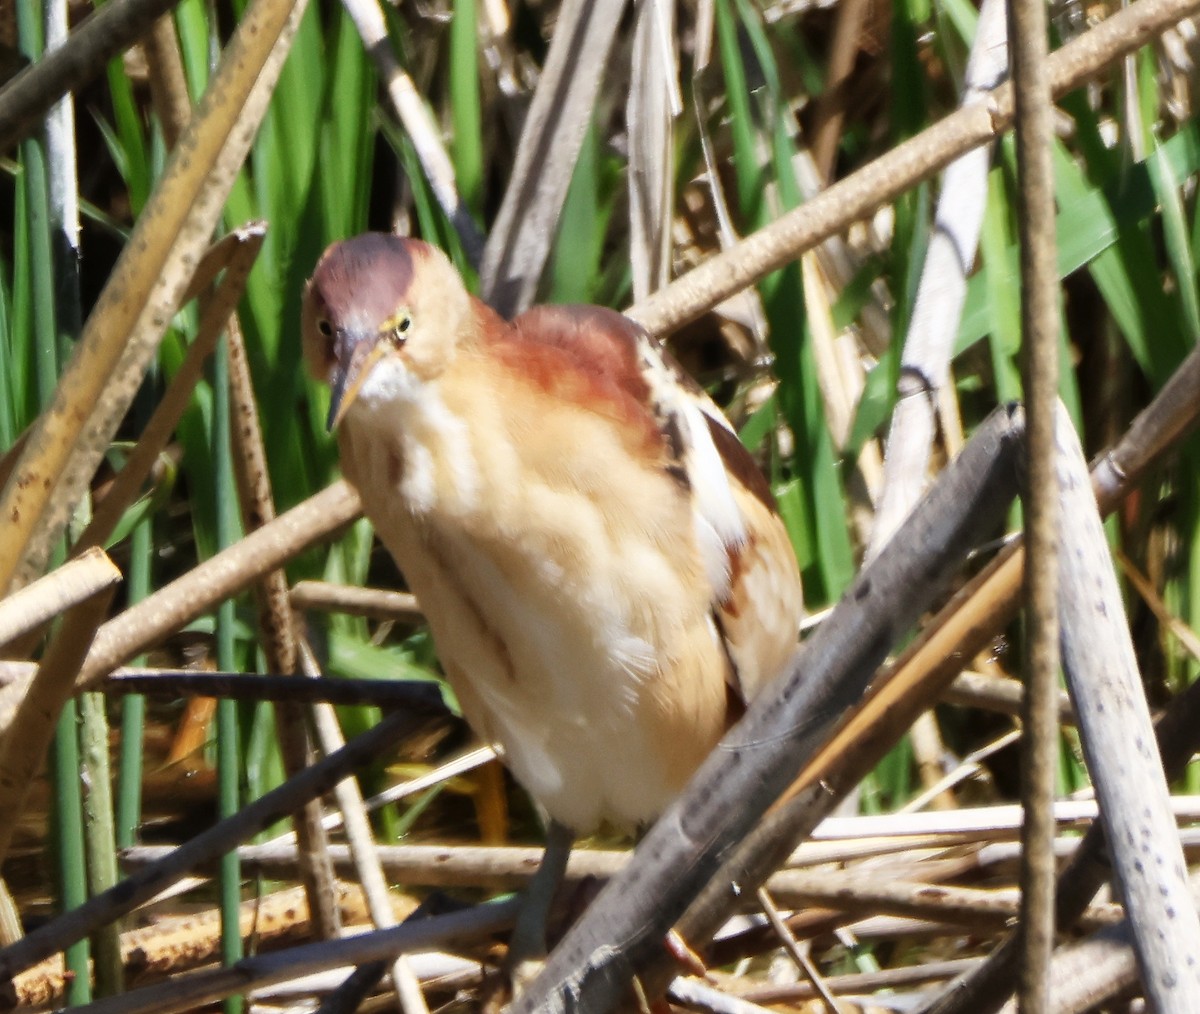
174,523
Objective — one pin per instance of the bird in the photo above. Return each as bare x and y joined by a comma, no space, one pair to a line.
603,568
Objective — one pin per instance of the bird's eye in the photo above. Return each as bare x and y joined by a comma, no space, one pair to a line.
325,327
400,330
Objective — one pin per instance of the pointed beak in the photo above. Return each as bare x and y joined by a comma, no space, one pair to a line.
356,355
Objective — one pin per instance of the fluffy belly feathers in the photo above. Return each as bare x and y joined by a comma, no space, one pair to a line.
568,614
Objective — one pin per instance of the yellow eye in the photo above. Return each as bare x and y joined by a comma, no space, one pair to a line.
400,327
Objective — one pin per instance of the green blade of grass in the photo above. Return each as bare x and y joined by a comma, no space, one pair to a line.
466,143
229,759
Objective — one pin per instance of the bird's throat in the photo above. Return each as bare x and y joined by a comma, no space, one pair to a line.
421,447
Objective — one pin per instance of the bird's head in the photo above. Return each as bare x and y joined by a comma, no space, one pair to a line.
382,315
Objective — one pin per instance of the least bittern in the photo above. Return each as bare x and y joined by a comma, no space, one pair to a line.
600,560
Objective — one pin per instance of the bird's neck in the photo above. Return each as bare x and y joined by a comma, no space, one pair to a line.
429,447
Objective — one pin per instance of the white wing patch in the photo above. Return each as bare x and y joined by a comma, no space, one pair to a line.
683,415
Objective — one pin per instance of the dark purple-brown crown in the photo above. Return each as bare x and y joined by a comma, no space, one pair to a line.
361,281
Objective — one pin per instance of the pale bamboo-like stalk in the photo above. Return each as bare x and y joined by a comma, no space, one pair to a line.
840,263
864,895
278,625
276,619
168,85
1119,745
238,259
223,575
99,830
417,121
551,138
799,955
836,840
1098,969
650,108
1187,638
373,603
695,994
997,693
50,596
362,848
937,312
1039,379
860,983
986,987
29,734
10,919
